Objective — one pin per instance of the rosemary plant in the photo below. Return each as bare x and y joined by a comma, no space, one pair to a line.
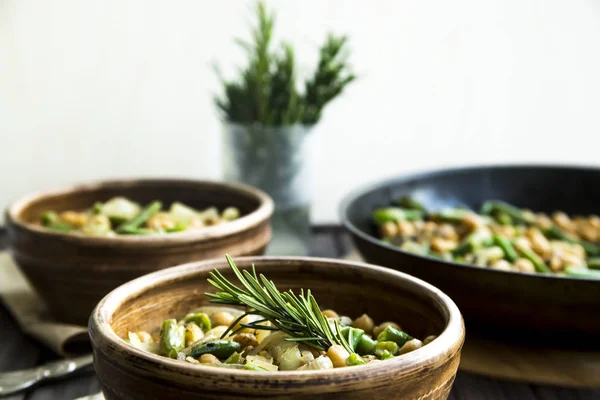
267,92
297,315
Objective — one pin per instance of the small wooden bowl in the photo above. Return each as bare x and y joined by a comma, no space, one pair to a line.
126,372
72,272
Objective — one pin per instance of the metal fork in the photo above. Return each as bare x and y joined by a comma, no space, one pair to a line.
16,381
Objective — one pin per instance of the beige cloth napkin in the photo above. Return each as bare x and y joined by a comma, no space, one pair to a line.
28,309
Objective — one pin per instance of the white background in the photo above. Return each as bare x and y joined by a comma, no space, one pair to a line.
94,89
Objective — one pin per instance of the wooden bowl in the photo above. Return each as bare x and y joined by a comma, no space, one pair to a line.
126,372
533,309
72,272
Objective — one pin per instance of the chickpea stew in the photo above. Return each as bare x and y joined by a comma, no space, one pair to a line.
121,216
500,236
276,331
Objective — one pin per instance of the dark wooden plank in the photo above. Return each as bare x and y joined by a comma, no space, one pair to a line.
322,244
473,387
16,350
558,393
82,385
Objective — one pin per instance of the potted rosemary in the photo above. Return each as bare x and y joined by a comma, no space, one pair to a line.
268,118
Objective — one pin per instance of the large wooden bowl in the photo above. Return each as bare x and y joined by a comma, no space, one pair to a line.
72,272
534,309
126,372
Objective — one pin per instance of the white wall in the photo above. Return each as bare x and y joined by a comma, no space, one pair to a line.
92,89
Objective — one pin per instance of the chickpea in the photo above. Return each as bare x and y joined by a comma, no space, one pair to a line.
230,213
212,220
193,333
502,265
443,245
409,346
429,227
556,263
370,358
504,230
145,337
429,339
365,323
589,233
161,221
447,231
74,218
594,221
337,354
418,225
245,320
388,229
524,265
523,243
331,314
381,327
539,243
571,259
406,228
209,359
563,221
473,221
192,360
195,223
543,221
246,339
221,318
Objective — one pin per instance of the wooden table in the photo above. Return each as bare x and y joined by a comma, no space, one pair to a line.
18,351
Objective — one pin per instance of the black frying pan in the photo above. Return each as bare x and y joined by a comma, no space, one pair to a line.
544,309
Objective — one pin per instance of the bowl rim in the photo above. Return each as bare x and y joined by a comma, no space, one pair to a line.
352,196
263,212
448,342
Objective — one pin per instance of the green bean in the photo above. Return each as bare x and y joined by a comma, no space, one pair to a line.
252,367
579,272
60,226
386,349
221,349
366,345
556,233
172,338
453,215
513,212
352,336
51,220
48,218
200,319
410,203
593,262
502,218
415,247
97,208
539,264
234,358
391,334
355,359
394,214
472,242
141,218
509,251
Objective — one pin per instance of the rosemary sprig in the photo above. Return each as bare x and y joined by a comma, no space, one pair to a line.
267,91
299,316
